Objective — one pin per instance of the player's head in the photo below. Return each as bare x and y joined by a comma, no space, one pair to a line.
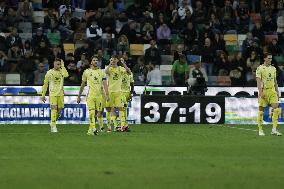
267,58
113,60
57,64
94,61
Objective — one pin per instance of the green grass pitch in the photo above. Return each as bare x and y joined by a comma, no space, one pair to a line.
150,156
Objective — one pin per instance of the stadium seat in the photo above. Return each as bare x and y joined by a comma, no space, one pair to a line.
232,48
166,74
25,27
2,79
69,48
137,49
105,34
193,58
79,36
231,39
175,39
212,80
269,38
38,17
167,59
13,79
79,13
224,80
26,36
37,4
279,60
241,38
54,38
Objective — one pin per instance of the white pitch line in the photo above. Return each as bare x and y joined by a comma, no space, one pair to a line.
238,128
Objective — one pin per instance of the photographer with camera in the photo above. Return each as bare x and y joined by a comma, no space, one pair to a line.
198,79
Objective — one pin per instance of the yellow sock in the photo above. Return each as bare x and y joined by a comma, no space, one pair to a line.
92,119
125,114
275,116
100,121
53,117
122,118
113,117
259,119
108,118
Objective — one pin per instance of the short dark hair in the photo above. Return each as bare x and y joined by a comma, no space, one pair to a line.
57,59
265,55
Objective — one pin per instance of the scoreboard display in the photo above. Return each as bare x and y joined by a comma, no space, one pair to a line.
182,109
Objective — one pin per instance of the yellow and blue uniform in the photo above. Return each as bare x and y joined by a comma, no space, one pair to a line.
94,79
114,78
127,79
54,79
267,74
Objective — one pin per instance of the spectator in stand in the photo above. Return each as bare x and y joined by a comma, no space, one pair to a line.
147,32
108,22
208,56
102,62
274,48
258,32
14,55
57,52
121,21
154,76
38,37
148,14
25,11
238,72
135,11
163,34
269,24
227,15
11,19
84,49
27,67
128,61
3,61
199,13
74,76
207,32
197,78
3,10
50,21
215,23
43,51
14,38
65,23
189,35
109,44
159,5
152,54
280,27
122,44
252,63
160,19
82,64
216,11
242,14
39,74
180,71
130,31
219,43
27,46
140,71
94,34
183,9
222,64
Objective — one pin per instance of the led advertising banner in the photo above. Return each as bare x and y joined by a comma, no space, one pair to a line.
30,110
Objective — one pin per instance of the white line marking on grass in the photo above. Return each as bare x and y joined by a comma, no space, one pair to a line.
240,128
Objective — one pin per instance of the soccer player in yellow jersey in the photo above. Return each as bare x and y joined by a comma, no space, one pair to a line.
268,93
127,91
54,79
96,79
114,75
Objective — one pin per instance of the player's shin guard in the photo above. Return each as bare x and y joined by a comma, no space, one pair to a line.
100,121
92,119
259,119
53,117
275,116
122,118
108,118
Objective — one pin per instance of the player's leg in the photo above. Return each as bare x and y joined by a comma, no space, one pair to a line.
54,107
119,105
112,99
60,101
92,113
262,104
106,105
99,109
276,112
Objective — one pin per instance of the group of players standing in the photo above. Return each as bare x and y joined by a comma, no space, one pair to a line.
110,88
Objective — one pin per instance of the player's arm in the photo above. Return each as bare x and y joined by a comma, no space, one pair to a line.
83,84
63,69
44,87
107,69
258,80
125,66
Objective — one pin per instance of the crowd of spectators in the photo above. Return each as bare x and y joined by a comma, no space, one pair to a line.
171,27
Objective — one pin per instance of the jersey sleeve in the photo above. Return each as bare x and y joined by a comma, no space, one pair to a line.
258,72
131,78
45,83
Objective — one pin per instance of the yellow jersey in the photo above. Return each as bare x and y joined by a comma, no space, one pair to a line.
127,79
268,76
94,79
114,78
54,79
